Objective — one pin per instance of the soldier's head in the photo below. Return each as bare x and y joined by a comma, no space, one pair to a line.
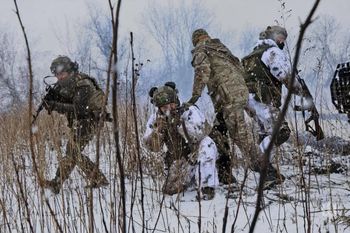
198,35
165,97
277,33
62,66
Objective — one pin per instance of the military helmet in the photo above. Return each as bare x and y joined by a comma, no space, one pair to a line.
62,64
197,34
164,95
272,32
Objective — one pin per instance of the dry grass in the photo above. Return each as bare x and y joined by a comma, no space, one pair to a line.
69,210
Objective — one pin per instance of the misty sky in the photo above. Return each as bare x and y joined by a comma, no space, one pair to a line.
47,21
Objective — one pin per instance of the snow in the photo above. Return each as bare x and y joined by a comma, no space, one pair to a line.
34,129
325,198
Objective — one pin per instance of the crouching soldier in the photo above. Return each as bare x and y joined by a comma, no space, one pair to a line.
80,99
190,152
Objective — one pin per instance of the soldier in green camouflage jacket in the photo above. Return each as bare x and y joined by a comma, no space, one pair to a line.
218,69
80,99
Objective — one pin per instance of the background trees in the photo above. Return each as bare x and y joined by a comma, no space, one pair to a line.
166,40
12,76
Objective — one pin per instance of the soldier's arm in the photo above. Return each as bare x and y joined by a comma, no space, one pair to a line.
79,105
280,67
202,70
153,137
297,87
84,91
196,124
61,107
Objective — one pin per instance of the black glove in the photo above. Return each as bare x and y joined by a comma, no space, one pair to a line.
184,107
49,105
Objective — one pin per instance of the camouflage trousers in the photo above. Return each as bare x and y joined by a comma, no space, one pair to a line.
82,133
220,136
199,169
234,101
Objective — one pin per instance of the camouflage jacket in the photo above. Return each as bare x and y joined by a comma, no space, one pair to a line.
267,67
215,66
260,81
79,97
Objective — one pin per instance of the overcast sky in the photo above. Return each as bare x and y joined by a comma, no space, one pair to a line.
47,20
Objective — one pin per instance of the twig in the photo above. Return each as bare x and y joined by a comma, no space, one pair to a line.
199,198
240,199
26,205
138,147
114,55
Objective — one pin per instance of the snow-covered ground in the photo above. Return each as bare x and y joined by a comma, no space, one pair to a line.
307,200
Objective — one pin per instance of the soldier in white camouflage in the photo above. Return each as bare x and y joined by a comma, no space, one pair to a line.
267,68
80,99
218,69
190,153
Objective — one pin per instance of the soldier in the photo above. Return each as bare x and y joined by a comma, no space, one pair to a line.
218,69
80,99
267,68
190,152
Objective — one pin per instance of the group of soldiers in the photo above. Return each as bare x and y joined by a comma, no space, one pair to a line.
196,153
252,85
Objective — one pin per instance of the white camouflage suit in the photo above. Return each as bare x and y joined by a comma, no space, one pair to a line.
202,156
277,62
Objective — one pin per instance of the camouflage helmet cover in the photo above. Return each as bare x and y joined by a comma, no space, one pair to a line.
272,32
197,34
62,64
164,95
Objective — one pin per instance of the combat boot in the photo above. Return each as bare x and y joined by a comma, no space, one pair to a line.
274,175
273,178
102,182
53,185
225,170
225,176
207,193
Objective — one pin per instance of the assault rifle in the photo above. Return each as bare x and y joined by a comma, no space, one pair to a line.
317,131
340,88
49,96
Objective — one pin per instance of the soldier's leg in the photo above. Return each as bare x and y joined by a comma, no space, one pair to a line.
207,155
65,167
234,98
241,134
92,172
266,116
220,137
177,178
84,134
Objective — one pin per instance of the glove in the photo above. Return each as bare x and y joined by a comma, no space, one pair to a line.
161,124
184,107
49,105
